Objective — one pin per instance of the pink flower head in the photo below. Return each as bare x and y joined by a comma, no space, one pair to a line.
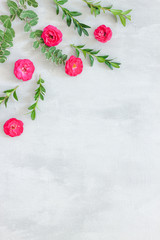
13,127
24,69
74,66
51,36
103,34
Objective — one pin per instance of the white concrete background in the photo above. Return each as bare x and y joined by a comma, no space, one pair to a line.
88,168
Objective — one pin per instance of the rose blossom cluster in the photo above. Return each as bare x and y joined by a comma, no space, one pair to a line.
24,68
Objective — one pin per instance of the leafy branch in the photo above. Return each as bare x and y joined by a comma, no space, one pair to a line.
6,37
93,55
52,53
96,10
70,17
8,93
39,94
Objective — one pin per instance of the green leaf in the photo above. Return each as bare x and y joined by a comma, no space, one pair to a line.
64,57
91,60
12,4
116,65
80,46
123,20
19,13
6,101
116,12
68,20
3,18
84,53
28,14
33,22
6,53
41,97
38,33
2,60
36,44
41,80
32,106
75,14
79,29
77,53
12,32
100,59
85,32
27,27
13,13
52,49
109,65
85,26
126,12
32,3
48,55
87,50
128,17
57,9
2,98
32,35
7,23
15,96
33,115
43,89
43,49
9,91
62,2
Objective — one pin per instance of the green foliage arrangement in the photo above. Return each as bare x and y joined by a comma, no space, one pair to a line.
19,9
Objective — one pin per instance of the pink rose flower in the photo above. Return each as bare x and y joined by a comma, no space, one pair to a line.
51,36
103,34
24,69
13,127
74,66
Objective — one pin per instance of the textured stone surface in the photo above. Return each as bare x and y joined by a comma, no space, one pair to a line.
88,167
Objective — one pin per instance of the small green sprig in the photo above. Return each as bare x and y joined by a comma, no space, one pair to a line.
51,53
39,94
96,10
6,37
93,54
8,93
70,17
